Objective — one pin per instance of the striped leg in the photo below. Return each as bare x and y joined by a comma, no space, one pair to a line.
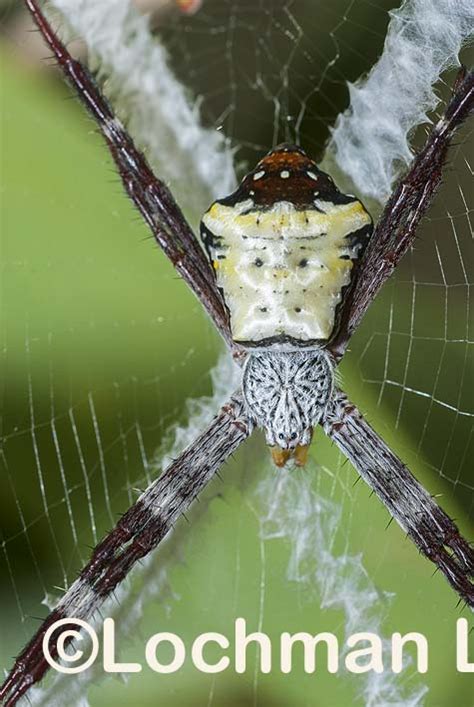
433,532
149,194
396,230
136,534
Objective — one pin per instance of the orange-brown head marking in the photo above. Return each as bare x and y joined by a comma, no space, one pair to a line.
288,174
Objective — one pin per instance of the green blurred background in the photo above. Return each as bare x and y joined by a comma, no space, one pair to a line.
101,342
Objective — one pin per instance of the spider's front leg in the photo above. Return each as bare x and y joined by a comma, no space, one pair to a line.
137,533
428,526
283,247
434,533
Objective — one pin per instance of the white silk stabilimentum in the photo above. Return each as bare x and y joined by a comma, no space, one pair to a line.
290,508
155,107
370,141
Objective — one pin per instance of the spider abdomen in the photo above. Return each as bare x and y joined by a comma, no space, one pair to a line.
283,247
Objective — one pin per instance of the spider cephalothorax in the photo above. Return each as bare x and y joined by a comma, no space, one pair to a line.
286,394
283,248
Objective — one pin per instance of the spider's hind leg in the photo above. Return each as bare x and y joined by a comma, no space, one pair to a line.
149,194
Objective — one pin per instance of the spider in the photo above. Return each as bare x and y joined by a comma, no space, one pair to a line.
288,337
283,246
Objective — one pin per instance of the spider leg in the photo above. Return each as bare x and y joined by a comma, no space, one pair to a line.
137,533
433,532
149,194
396,229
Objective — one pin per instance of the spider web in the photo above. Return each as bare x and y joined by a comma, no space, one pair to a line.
106,359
